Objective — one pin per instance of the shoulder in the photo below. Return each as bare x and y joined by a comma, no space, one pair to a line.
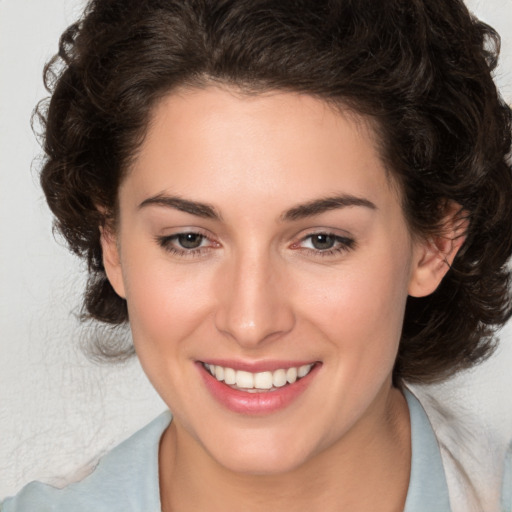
477,465
126,479
428,489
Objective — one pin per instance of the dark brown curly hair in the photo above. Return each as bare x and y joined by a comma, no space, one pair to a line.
420,69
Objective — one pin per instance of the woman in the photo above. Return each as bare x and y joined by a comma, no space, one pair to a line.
298,207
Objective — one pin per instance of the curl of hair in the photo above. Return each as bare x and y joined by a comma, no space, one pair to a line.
421,70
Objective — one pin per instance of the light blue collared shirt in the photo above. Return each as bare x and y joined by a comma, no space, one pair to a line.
428,490
126,479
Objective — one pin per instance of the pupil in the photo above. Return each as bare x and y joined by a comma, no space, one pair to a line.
190,240
323,242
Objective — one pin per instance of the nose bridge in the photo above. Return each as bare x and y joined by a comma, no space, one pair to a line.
253,305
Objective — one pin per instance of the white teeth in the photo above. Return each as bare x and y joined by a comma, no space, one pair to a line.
263,380
244,379
219,373
229,376
252,382
303,370
291,375
279,378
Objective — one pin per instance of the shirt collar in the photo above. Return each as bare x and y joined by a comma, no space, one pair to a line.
428,489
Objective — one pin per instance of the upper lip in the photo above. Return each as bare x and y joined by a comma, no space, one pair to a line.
257,366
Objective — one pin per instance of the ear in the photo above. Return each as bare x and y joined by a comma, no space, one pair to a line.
434,255
112,260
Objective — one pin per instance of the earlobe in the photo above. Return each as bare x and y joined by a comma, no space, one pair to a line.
112,260
434,256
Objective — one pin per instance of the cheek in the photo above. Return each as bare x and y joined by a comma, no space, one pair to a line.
165,306
360,311
167,311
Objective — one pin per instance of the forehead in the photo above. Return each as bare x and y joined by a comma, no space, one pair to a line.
225,143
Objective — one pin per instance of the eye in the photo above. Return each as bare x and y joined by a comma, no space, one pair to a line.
324,243
189,240
187,243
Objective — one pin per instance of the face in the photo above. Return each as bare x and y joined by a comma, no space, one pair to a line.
260,239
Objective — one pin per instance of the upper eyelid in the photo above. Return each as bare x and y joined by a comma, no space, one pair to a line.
174,236
338,233
174,232
169,244
343,244
341,237
325,232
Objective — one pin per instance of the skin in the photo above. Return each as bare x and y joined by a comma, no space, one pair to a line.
258,289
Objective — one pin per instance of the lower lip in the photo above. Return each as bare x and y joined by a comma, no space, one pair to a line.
264,402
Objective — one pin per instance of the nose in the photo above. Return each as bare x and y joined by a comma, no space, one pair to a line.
254,306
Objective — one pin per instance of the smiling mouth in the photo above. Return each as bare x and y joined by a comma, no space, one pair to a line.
259,382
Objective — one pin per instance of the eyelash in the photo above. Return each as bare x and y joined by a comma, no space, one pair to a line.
345,244
166,242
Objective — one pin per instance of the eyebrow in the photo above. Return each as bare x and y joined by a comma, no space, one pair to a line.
298,212
203,210
319,206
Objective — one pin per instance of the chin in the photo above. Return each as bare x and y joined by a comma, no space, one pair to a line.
252,456
262,465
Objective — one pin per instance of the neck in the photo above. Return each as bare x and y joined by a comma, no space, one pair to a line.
375,454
